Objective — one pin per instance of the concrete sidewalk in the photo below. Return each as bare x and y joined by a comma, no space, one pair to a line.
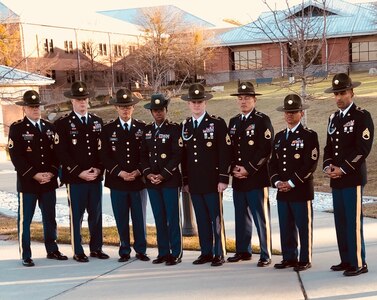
108,279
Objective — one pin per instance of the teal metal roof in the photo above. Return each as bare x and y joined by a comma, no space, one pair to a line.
131,15
344,19
14,77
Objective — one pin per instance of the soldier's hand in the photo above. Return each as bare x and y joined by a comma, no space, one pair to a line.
88,175
221,187
240,172
126,176
42,177
283,186
333,172
185,188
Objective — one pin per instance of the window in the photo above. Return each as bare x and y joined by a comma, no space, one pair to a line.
70,76
49,46
119,77
310,52
248,59
86,48
68,46
102,50
364,51
117,50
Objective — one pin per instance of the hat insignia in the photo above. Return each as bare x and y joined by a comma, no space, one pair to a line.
243,87
336,82
81,89
196,92
124,96
290,102
157,101
33,97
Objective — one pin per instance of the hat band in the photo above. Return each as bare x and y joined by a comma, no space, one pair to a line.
343,87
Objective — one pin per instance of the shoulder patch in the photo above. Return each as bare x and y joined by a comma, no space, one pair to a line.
259,114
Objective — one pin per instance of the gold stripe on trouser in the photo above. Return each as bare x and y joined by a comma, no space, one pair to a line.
71,217
268,221
310,230
358,226
179,219
222,226
21,224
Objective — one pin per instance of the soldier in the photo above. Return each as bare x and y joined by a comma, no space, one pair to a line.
251,133
293,162
31,151
120,154
205,168
161,154
349,141
77,143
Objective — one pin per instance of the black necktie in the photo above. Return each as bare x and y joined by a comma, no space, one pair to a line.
125,127
83,119
195,124
157,131
288,134
38,127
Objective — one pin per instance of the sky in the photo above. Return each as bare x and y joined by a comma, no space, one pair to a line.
213,11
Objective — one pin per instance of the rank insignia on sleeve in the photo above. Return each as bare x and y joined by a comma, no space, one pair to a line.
366,134
315,154
56,139
228,142
267,134
10,144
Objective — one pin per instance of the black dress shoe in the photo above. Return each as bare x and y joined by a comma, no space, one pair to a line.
239,256
217,261
160,259
142,257
80,257
264,262
202,259
99,254
172,260
341,267
124,258
56,255
286,264
354,271
302,266
28,262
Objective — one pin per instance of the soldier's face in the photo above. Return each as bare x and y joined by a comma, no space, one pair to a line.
80,105
33,112
293,118
159,115
197,107
246,103
343,99
125,112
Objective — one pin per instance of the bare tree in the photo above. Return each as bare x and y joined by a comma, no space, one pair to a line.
300,32
169,47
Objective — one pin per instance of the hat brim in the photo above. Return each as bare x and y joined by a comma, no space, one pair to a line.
149,105
207,96
281,108
354,84
113,101
22,103
69,95
245,94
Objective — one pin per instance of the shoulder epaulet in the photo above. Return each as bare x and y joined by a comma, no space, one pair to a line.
259,114
173,123
108,122
149,124
360,109
308,129
237,115
17,122
140,121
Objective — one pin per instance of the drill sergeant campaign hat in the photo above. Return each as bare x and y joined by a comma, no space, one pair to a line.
292,103
342,82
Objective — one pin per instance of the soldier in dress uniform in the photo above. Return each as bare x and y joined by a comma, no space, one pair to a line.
349,141
161,155
251,133
77,144
31,151
293,162
120,154
205,169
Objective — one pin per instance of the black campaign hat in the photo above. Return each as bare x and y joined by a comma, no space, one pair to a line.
245,88
124,97
79,90
196,92
342,82
158,101
292,103
30,98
